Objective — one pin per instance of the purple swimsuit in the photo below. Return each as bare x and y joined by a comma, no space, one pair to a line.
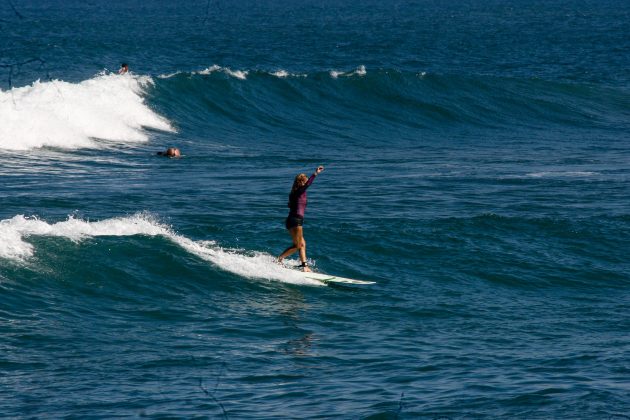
297,200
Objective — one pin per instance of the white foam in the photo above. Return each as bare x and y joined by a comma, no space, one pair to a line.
209,70
71,115
239,74
334,74
168,75
566,174
253,265
360,71
283,74
280,73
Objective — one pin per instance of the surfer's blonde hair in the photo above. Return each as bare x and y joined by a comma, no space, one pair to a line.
300,180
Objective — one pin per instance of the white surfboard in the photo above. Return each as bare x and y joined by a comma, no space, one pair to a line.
327,278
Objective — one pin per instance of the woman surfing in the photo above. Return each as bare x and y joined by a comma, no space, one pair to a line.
295,220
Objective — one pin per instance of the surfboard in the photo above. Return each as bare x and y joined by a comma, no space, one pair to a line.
327,278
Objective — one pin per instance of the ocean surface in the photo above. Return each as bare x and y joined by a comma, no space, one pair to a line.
477,158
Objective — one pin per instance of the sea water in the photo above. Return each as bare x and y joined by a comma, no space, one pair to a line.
477,169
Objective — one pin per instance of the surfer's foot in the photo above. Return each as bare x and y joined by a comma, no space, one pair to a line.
305,267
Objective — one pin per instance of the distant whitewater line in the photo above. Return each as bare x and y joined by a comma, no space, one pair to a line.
13,245
280,73
71,115
562,174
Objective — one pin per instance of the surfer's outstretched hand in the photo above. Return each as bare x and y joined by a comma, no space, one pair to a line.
319,169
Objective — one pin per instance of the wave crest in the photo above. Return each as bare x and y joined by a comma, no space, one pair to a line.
71,115
386,97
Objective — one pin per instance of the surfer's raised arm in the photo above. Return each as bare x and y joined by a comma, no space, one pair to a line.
318,171
307,184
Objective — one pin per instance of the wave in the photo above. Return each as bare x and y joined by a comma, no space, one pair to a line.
252,265
390,97
117,108
72,115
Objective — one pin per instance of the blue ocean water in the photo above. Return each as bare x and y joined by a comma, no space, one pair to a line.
477,169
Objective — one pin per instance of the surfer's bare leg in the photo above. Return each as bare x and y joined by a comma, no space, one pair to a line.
299,239
303,256
298,244
290,250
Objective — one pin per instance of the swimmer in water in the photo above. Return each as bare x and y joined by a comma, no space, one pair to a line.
295,220
124,68
172,152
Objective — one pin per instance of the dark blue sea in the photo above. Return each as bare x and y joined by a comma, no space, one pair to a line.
477,169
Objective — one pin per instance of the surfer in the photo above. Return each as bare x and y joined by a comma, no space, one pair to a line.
295,220
171,152
124,68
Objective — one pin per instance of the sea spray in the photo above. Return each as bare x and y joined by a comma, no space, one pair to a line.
71,115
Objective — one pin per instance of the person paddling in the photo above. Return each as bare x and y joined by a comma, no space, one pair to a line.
295,220
172,152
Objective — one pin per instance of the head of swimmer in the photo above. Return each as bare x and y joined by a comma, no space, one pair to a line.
171,152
